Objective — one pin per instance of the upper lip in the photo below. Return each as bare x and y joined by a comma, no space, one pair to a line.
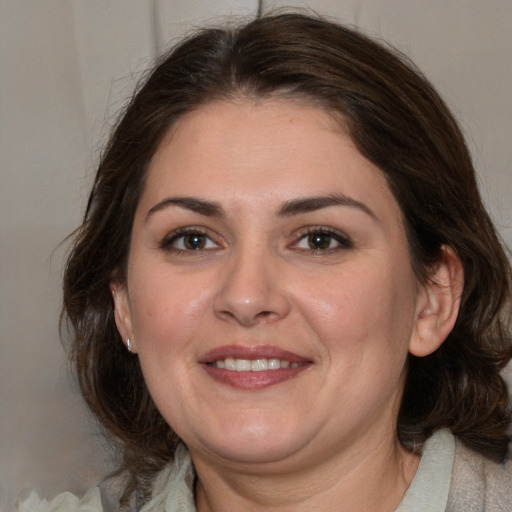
251,352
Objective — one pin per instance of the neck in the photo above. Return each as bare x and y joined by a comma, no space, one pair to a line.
372,477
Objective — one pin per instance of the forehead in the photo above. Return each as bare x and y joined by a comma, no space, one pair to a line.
240,124
274,150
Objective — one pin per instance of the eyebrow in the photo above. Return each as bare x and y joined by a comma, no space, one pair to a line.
288,209
311,204
207,208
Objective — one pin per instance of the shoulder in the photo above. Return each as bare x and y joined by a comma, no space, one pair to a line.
479,484
174,486
172,490
65,502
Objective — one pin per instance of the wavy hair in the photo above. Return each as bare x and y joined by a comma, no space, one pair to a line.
397,121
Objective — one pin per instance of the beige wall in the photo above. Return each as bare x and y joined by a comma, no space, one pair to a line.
66,68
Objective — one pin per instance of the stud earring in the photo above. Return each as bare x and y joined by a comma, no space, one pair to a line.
128,345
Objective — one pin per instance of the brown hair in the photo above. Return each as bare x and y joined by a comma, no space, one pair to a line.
397,121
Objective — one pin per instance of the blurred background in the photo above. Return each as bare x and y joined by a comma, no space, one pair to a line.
67,68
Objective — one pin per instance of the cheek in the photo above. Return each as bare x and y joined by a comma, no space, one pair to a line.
167,309
361,306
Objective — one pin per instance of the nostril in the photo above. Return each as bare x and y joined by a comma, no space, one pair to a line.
247,318
249,294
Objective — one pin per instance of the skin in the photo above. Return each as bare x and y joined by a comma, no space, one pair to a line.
350,306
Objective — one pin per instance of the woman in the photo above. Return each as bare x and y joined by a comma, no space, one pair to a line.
286,293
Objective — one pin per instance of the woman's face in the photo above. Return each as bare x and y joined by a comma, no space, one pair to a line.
269,297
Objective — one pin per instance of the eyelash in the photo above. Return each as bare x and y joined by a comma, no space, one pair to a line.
168,243
342,241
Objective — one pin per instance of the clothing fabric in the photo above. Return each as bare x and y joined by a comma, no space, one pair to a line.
450,478
429,489
479,484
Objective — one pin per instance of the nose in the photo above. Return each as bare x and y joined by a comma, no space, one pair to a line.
252,291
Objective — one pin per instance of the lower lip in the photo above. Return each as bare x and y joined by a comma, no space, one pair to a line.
253,380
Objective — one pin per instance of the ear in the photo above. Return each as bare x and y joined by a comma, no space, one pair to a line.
122,314
438,304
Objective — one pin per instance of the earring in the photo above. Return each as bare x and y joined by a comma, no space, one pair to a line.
128,345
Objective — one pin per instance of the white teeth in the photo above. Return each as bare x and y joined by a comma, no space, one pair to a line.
274,364
229,363
242,365
258,365
253,365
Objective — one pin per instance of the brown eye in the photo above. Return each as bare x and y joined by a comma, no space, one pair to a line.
320,241
189,241
194,241
323,240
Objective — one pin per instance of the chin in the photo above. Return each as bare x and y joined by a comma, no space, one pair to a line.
255,443
255,453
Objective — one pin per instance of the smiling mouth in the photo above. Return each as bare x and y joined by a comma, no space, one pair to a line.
253,368
253,365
